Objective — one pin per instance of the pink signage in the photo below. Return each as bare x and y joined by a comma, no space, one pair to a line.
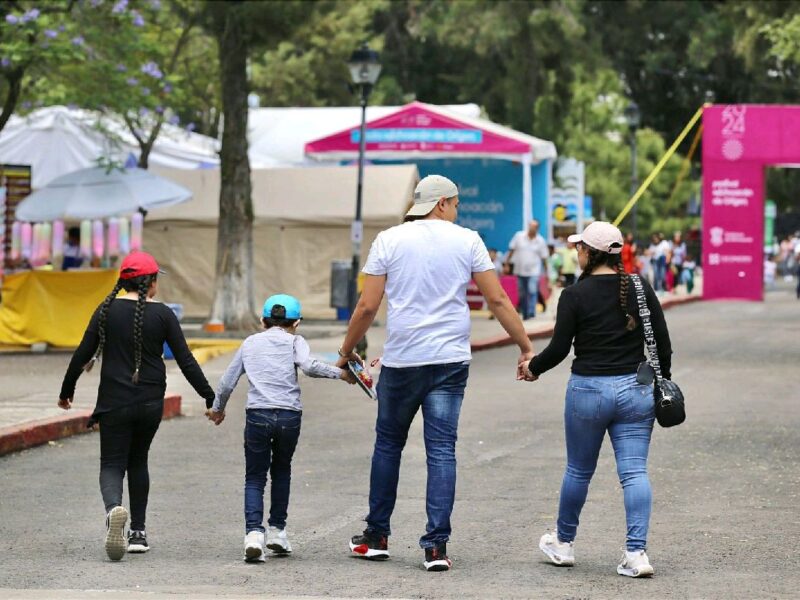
417,128
739,141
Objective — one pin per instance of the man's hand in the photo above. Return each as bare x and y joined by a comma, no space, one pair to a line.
523,374
215,417
343,360
347,376
65,403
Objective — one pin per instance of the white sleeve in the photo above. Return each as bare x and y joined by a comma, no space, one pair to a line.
480,256
376,261
512,245
311,366
544,250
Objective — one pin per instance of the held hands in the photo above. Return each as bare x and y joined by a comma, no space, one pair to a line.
347,376
65,403
214,416
523,374
345,358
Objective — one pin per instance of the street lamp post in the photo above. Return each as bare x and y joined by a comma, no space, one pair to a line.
365,67
633,117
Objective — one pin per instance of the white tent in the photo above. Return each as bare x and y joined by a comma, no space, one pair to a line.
301,223
57,140
282,133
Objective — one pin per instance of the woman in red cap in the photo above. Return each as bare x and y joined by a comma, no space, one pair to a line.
129,332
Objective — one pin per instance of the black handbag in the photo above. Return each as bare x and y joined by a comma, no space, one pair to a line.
669,403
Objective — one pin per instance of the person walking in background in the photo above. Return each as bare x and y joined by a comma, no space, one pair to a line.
424,267
526,252
677,256
687,273
272,426
659,252
129,334
569,263
603,394
629,254
72,250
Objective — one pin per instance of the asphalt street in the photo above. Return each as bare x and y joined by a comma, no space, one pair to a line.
726,483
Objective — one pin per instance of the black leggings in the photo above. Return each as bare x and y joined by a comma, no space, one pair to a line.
125,437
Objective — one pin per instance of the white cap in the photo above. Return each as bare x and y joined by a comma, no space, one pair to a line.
428,192
600,236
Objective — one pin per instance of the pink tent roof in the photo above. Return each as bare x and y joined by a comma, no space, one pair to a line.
420,130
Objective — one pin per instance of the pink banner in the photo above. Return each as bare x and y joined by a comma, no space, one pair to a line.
416,128
739,141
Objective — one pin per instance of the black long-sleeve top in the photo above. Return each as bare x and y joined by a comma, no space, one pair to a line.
590,314
117,365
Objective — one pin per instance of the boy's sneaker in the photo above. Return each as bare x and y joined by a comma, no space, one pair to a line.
436,559
278,541
372,546
635,564
559,553
254,547
116,544
137,542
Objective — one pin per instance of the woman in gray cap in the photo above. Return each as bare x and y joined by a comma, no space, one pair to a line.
603,393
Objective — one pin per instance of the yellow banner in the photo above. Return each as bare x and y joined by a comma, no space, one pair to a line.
51,306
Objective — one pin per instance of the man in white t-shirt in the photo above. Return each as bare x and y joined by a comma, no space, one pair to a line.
527,251
424,266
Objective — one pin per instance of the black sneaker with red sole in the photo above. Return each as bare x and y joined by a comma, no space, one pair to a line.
436,559
370,545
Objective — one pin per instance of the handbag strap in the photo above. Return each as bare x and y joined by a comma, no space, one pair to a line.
649,336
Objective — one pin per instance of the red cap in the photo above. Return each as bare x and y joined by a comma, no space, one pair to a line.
137,264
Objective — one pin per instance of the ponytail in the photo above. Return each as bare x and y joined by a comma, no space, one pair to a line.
101,324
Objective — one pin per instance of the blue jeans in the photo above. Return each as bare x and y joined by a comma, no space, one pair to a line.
270,438
439,390
660,273
624,408
528,295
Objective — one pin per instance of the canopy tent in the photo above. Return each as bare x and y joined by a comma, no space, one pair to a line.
282,133
301,223
57,140
420,130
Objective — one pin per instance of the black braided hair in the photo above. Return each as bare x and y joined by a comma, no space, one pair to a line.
101,323
598,258
138,322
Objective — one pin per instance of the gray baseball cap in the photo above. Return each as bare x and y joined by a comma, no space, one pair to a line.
428,192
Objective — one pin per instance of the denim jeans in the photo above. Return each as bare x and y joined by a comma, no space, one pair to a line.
528,295
125,437
660,273
270,438
624,408
439,390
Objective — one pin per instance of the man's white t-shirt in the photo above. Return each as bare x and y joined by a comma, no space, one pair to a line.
428,265
528,254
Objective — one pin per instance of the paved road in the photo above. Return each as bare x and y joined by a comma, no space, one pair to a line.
726,486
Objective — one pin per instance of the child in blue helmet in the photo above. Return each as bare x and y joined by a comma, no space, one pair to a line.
270,360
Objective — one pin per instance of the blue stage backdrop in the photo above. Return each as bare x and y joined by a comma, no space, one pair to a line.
491,194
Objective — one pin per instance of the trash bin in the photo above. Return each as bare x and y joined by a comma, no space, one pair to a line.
340,286
178,310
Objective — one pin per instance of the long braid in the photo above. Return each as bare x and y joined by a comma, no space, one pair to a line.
138,322
624,284
101,324
596,258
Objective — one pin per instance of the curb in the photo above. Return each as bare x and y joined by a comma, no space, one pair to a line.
502,340
35,433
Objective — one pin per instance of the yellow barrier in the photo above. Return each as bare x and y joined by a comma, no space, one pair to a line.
657,169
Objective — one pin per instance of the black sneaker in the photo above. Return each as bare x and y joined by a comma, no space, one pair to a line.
369,545
436,559
137,542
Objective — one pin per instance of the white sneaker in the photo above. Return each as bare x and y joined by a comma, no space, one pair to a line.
278,541
635,564
559,553
116,544
254,547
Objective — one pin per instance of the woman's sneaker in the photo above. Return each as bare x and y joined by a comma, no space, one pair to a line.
254,547
372,546
137,542
116,544
635,564
559,553
436,559
278,541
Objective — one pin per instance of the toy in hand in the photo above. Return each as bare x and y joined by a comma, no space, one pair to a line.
363,378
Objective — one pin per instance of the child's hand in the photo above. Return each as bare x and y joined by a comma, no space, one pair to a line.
347,376
216,417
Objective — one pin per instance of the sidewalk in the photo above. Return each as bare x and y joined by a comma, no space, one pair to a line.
29,415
